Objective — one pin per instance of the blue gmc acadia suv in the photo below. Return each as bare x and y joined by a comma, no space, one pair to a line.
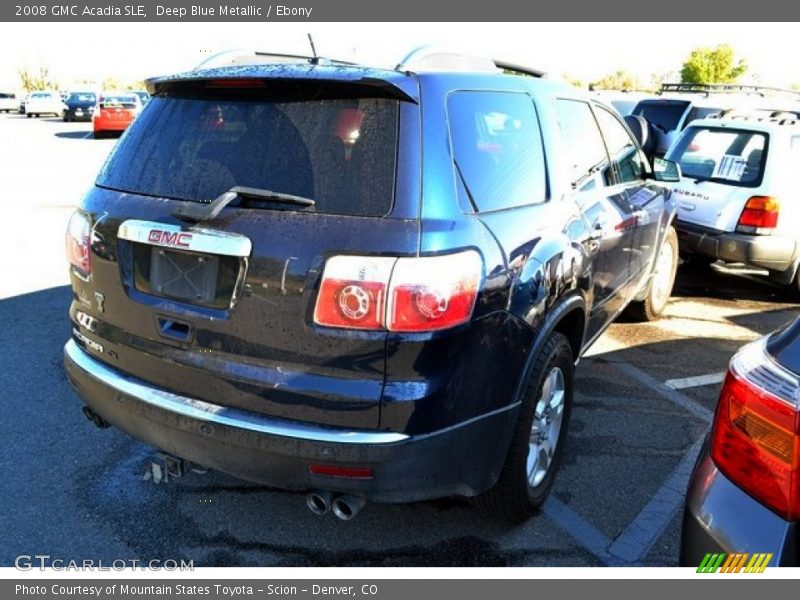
364,284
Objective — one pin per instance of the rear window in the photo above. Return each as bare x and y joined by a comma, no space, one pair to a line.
341,153
126,101
81,97
666,114
731,156
497,146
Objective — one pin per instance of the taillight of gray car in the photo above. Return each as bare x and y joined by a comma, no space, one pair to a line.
745,492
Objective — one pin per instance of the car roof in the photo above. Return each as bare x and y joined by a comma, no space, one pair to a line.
404,83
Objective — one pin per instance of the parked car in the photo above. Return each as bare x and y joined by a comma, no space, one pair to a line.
79,106
678,104
8,102
743,495
736,197
366,284
114,112
43,103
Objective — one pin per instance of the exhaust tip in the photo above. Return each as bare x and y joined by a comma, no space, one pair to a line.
319,503
347,507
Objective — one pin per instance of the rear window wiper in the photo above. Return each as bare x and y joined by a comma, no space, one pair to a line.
206,212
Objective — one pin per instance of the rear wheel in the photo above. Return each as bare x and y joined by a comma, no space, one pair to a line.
98,135
794,287
539,437
661,283
29,115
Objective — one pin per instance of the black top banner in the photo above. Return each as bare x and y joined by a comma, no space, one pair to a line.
405,11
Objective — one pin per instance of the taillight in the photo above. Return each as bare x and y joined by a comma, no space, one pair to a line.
760,215
433,292
756,431
399,294
79,232
353,292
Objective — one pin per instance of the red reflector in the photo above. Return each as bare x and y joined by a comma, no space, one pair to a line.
760,212
347,472
236,83
754,442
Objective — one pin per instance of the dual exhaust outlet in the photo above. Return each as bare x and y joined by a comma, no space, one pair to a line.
344,506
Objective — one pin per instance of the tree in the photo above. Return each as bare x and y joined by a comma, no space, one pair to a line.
572,80
32,81
712,65
621,80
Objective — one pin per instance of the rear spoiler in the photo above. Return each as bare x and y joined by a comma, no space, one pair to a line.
367,83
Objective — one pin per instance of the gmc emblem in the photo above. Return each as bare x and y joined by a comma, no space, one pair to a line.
167,238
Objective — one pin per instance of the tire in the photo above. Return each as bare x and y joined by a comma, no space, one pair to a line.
516,497
794,288
29,115
98,135
661,283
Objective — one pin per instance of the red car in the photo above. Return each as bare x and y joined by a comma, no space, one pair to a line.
114,112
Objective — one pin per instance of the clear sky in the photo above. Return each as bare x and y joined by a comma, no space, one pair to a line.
587,51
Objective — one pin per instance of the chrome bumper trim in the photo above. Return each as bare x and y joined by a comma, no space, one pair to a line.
221,415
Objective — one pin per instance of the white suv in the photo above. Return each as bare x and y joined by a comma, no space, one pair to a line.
739,193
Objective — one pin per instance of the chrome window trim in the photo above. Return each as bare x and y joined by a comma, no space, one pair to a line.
220,415
208,241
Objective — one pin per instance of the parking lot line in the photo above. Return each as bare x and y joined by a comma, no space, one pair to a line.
635,542
674,396
583,532
692,382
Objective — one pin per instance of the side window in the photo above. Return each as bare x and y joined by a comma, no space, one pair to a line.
584,148
497,149
621,147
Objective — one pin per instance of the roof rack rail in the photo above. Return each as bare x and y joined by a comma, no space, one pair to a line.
716,88
434,58
780,117
240,56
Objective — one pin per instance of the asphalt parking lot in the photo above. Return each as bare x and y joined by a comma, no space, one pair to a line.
76,492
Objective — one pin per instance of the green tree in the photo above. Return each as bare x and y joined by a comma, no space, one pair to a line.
573,80
712,65
620,80
32,81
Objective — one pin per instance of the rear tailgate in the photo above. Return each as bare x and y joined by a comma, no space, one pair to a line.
222,310
722,167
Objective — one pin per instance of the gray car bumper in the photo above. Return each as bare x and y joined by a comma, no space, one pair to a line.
721,517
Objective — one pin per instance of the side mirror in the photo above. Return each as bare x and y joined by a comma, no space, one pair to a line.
666,171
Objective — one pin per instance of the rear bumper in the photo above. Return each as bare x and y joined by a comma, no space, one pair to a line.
720,517
85,115
461,460
776,253
103,125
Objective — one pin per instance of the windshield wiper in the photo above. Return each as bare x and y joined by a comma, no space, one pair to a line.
194,211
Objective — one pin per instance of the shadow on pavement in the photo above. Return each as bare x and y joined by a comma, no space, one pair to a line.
74,135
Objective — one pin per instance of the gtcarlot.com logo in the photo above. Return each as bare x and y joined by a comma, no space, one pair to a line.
29,562
734,563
